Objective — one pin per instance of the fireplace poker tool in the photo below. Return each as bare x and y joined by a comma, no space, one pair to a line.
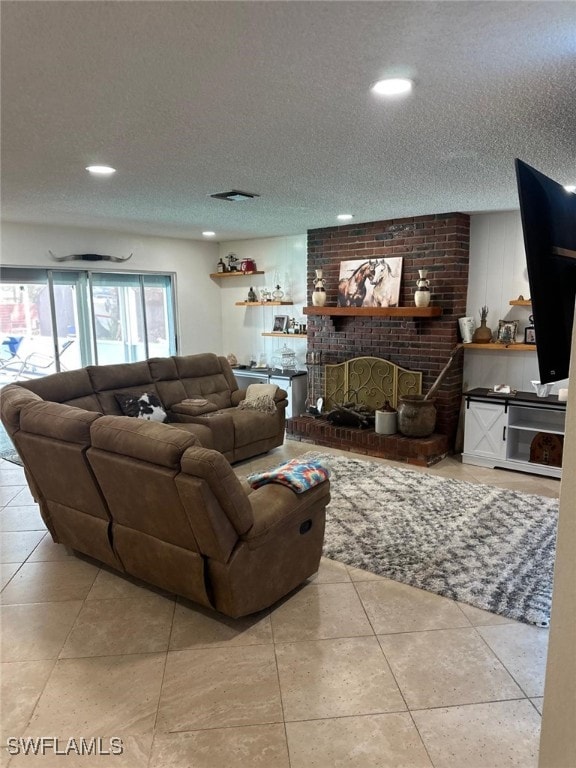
313,405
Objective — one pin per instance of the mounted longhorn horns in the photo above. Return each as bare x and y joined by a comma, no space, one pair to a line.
89,257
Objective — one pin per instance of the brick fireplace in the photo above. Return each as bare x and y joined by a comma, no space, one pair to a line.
438,243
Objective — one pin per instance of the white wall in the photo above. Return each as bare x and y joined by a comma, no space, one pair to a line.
209,320
198,298
283,259
497,275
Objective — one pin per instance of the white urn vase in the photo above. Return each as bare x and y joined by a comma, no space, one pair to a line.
319,292
422,292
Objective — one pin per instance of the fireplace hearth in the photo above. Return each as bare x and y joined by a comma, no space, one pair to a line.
421,451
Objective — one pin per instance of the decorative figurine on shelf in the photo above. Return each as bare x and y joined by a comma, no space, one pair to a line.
220,267
252,295
277,293
319,292
482,334
422,293
232,259
264,294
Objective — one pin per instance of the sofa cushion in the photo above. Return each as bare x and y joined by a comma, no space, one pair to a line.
141,406
70,387
108,380
207,376
158,444
61,422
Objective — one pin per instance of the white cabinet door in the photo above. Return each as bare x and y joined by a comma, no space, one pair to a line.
485,430
296,388
244,380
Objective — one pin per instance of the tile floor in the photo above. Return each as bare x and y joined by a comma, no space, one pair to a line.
352,670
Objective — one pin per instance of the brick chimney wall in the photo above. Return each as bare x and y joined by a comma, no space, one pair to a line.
439,243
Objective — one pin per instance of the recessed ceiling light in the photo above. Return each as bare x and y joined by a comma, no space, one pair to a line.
101,170
344,216
208,234
570,187
392,86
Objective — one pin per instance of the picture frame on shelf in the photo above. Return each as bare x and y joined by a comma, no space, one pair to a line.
280,322
529,335
507,330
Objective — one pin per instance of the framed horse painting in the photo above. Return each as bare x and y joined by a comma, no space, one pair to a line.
370,283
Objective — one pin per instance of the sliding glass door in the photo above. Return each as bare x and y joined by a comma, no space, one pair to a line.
159,315
133,317
118,318
54,320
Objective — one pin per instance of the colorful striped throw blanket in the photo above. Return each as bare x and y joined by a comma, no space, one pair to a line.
297,474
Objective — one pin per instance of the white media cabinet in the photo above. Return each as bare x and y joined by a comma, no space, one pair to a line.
499,429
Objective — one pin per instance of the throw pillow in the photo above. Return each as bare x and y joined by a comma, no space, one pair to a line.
262,403
141,406
257,390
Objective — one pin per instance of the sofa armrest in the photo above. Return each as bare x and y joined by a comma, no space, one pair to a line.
190,408
275,506
240,394
237,396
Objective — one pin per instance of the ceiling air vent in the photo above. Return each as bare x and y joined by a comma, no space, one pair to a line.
235,196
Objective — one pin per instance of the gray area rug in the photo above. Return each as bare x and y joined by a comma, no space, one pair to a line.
489,547
7,450
11,456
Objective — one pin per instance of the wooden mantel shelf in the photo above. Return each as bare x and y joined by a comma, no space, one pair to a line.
375,311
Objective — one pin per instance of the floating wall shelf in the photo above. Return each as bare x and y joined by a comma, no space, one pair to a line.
219,275
286,335
263,303
375,311
494,347
520,302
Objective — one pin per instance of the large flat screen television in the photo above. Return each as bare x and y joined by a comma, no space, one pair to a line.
548,214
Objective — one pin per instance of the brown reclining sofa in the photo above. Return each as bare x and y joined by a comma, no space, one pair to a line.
161,501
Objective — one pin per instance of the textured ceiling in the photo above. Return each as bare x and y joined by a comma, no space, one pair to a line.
190,98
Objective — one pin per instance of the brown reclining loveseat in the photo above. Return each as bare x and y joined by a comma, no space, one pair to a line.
147,499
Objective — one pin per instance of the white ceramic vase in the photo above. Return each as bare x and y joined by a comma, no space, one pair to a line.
319,292
319,297
386,423
422,293
467,328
